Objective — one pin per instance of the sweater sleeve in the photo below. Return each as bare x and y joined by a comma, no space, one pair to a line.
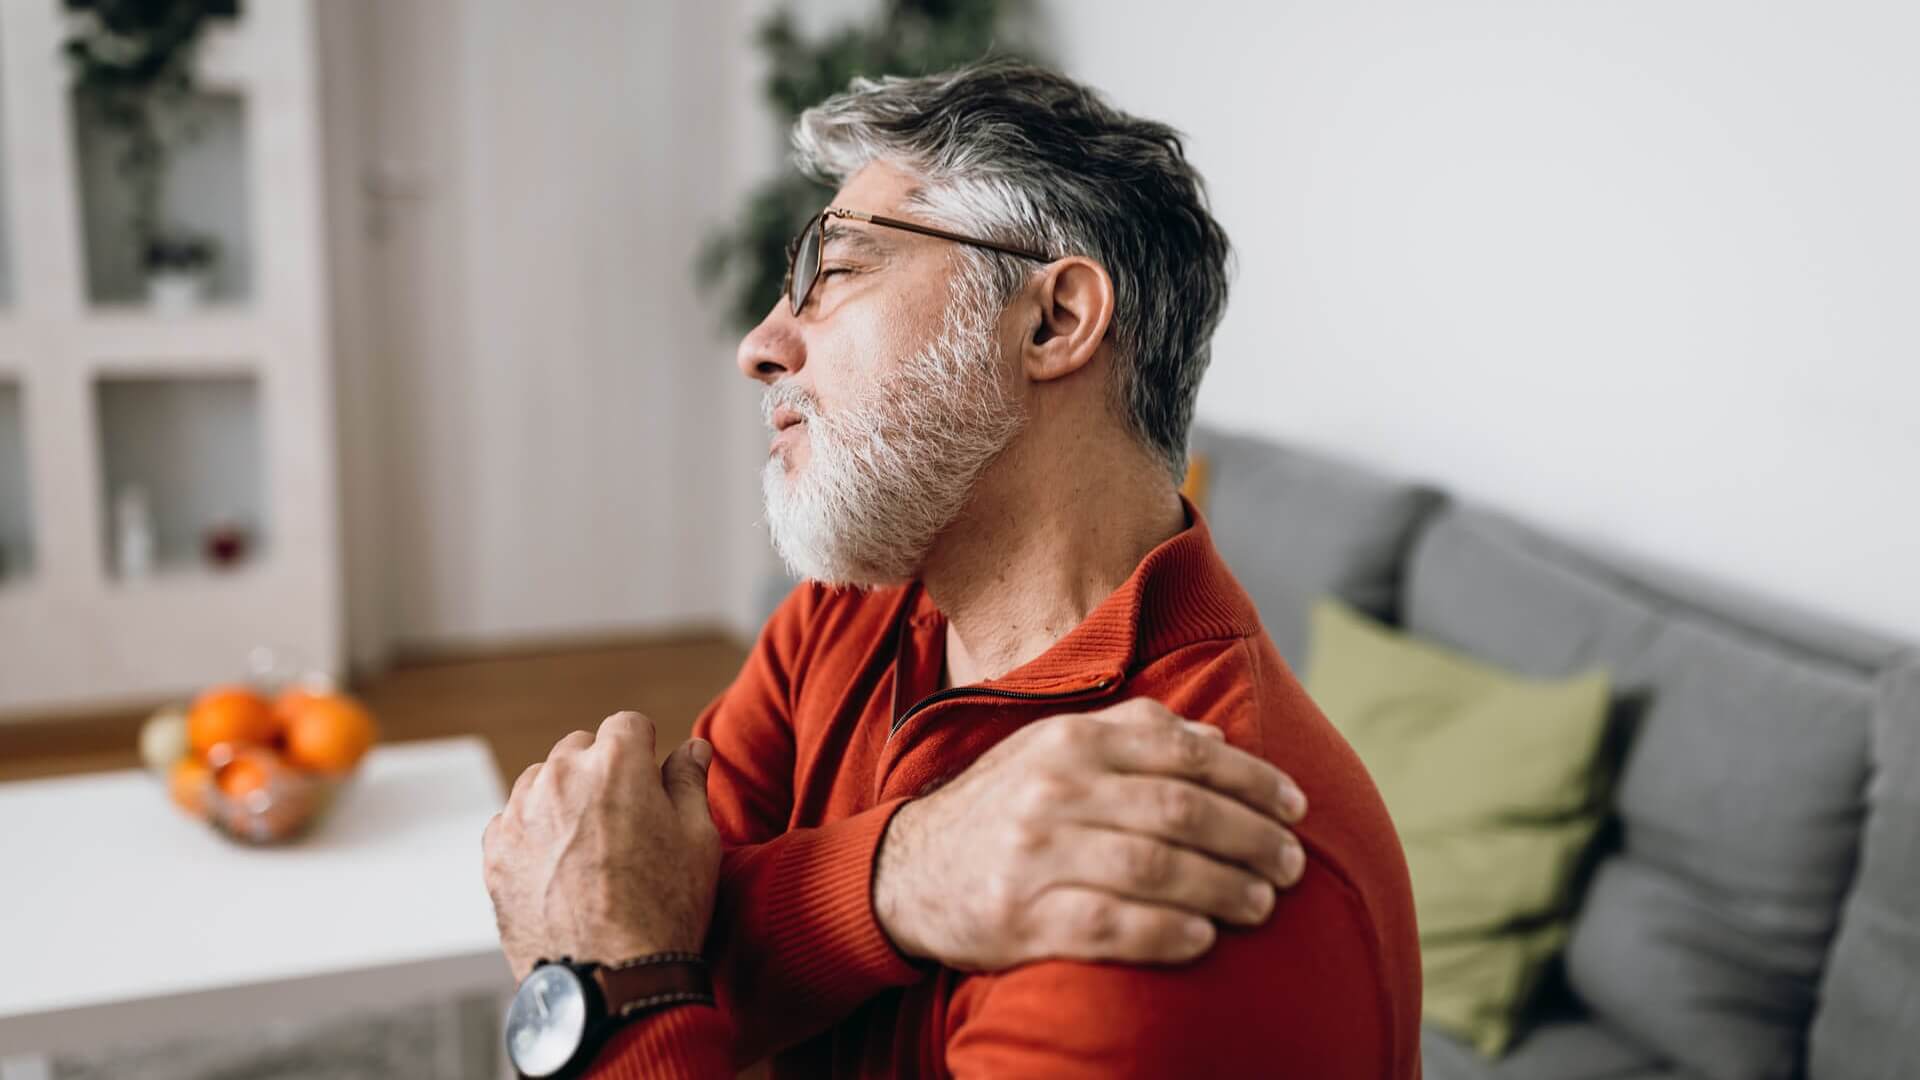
1305,994
685,1043
795,944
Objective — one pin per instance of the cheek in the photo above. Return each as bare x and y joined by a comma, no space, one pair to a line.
857,355
871,336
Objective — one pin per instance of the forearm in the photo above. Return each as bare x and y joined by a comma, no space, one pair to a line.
795,945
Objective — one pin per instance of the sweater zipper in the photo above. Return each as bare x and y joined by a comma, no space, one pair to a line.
952,692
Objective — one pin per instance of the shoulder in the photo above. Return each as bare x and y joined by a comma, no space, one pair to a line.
1311,992
1239,684
1356,898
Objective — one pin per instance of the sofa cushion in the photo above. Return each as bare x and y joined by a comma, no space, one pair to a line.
1563,1049
1296,526
1493,861
1494,852
1868,1026
1740,800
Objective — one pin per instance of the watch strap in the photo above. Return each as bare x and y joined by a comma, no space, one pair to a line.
652,982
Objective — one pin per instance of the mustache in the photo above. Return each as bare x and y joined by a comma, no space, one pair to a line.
787,395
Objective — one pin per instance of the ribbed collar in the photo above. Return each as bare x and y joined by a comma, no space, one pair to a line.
1181,593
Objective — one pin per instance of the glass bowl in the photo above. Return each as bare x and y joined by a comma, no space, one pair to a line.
254,796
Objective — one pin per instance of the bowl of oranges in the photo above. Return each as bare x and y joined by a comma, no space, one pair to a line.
260,767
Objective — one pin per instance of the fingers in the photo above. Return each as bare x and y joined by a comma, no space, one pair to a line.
1143,711
571,743
620,729
1185,813
1086,924
523,782
1168,749
685,776
1152,871
629,725
486,841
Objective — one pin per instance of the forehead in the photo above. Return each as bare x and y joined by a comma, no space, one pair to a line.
878,188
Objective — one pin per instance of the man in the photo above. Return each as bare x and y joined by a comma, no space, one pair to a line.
966,830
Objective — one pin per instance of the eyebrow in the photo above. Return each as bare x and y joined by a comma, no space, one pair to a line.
859,239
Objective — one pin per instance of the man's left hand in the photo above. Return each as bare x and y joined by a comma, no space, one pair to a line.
600,857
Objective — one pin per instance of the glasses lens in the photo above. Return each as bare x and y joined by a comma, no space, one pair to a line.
806,266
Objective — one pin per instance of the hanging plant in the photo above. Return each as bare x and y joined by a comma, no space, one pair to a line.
908,37
132,63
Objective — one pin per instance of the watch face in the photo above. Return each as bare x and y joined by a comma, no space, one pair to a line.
546,1021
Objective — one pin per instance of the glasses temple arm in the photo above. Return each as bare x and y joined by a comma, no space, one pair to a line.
928,230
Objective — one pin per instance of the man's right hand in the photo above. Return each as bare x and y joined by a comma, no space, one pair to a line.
1115,835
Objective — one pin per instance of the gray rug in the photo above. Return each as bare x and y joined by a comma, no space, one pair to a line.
455,1040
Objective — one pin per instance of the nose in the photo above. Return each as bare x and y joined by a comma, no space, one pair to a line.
773,349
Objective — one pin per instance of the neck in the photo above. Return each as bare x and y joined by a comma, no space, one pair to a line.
1028,559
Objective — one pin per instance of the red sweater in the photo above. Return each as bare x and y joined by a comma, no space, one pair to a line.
836,719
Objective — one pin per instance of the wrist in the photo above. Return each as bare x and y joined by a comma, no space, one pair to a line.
892,877
565,1010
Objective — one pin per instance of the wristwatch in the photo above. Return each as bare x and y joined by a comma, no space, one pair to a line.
565,1011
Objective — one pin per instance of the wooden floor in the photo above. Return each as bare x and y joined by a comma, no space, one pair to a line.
520,703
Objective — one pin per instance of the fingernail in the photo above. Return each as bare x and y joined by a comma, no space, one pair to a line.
1200,932
1259,898
1293,799
701,751
1293,860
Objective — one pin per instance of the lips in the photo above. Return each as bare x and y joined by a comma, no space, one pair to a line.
784,418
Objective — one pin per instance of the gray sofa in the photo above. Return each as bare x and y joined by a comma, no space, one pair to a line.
1755,908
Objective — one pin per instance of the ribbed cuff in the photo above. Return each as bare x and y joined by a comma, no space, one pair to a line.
685,1042
819,917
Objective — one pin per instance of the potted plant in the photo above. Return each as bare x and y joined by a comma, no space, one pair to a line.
132,63
178,265
747,257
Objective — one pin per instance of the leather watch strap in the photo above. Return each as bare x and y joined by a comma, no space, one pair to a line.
651,982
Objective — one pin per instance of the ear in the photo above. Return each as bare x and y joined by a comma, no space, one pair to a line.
1072,307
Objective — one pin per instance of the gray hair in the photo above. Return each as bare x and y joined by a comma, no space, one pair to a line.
1012,152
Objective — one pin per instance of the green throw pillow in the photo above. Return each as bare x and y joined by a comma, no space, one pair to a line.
1491,781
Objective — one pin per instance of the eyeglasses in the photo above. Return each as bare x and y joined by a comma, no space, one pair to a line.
803,254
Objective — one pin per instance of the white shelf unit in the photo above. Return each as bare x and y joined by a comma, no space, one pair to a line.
94,387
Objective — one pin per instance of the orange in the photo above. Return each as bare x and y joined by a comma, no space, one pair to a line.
230,714
329,732
248,772
292,700
287,704
187,785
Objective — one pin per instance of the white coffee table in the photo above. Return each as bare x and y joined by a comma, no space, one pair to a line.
123,921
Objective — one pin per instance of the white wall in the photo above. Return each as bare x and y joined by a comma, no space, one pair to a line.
545,435
1648,273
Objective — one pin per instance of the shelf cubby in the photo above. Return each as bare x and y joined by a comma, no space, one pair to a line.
192,445
203,190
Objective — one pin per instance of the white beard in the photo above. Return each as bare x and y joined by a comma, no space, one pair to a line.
888,473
